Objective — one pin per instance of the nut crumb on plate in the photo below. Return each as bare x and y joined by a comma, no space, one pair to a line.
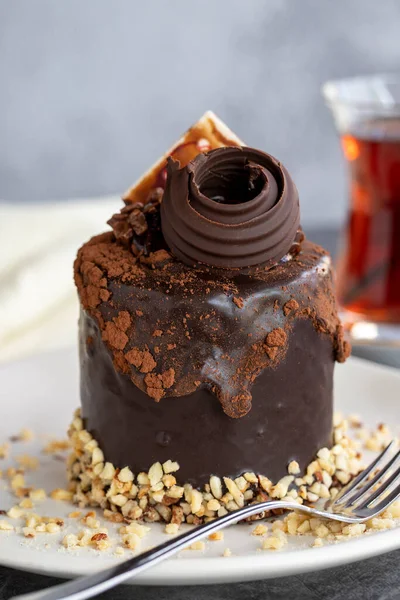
55,446
197,546
260,529
37,494
61,494
216,536
4,450
171,528
28,462
5,525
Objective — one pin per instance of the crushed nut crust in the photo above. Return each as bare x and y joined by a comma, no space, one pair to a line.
158,496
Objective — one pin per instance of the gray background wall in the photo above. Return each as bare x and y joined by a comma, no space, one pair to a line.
92,91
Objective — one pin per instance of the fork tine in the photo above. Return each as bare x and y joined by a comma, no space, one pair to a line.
386,502
382,488
360,493
364,474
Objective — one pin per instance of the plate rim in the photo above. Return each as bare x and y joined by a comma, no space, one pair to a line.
263,565
202,570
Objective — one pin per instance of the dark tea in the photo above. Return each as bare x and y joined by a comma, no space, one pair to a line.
369,264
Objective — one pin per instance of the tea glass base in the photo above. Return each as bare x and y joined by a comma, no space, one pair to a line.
370,333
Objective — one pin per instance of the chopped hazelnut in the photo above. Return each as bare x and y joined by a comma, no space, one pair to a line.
234,490
56,446
52,528
260,529
197,546
4,450
155,473
216,536
5,525
37,495
70,540
60,494
17,481
293,468
29,532
216,486
274,542
15,512
28,462
171,528
125,475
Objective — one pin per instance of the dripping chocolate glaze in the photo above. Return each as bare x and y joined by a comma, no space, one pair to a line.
205,315
172,329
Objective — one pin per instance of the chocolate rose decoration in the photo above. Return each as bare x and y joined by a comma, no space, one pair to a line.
231,208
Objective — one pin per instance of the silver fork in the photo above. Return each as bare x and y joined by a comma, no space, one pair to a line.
365,497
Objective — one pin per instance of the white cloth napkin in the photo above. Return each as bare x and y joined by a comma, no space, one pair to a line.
38,244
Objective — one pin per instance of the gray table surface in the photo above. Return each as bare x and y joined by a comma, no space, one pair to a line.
374,579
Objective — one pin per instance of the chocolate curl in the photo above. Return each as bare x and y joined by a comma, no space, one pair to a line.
230,208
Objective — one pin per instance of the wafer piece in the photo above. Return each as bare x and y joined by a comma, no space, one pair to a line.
208,133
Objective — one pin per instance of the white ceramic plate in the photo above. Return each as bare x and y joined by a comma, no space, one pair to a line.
41,393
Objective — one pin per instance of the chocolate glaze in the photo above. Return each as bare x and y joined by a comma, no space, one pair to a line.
230,208
199,326
240,365
291,416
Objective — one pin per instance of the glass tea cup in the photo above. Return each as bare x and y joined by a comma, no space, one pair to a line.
366,111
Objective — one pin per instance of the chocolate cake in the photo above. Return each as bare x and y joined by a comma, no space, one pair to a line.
208,335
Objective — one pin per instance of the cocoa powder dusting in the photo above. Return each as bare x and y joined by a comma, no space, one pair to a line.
115,331
104,295
148,362
238,301
271,352
291,306
276,338
123,320
155,258
342,346
158,383
154,387
142,360
168,378
235,406
120,363
114,336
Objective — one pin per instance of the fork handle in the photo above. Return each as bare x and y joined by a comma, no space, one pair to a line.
91,585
